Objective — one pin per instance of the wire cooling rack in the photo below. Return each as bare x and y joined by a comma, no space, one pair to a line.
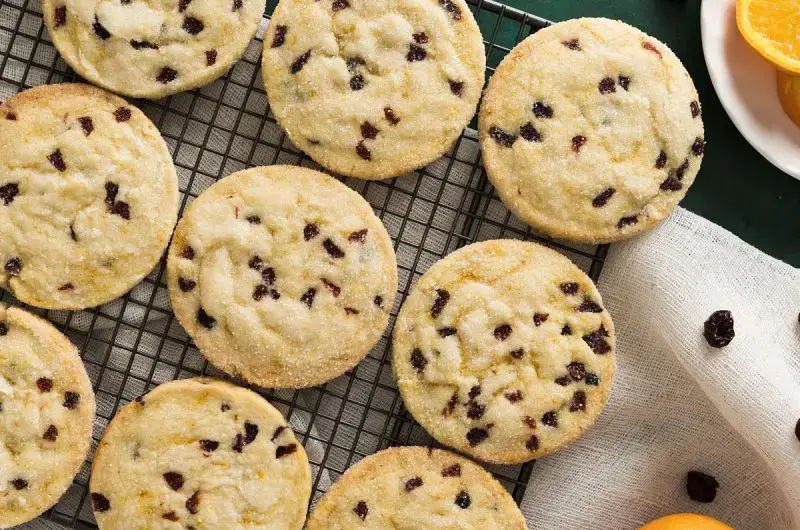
134,343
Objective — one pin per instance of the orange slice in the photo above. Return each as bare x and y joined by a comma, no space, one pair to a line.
772,27
789,94
686,521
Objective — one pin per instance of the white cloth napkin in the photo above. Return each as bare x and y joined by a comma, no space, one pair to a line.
680,405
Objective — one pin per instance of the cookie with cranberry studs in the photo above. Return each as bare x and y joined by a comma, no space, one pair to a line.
200,453
416,487
591,130
504,352
88,196
46,413
373,89
151,49
282,275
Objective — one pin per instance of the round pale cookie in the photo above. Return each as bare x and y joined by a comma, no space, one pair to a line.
203,454
282,275
591,131
46,413
151,48
373,89
88,196
416,487
504,351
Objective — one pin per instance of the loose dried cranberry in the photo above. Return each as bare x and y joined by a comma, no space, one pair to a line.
3,329
253,219
607,86
602,198
388,113
66,287
100,503
529,133
533,443
192,25
300,62
332,249
87,125
698,147
250,432
209,446
19,483
442,297
578,142
718,329
378,301
476,411
60,16
238,443
369,131
170,516
550,419
514,396
597,342
310,231
569,288
695,108
625,221
284,450
44,384
174,480
502,137
572,44
357,82
211,57
51,433
100,30
361,510
187,253
279,38
451,8
502,332
143,44
446,332
661,161
308,296
193,502
183,4
671,184
474,392
167,75
563,380
592,379
701,487
542,110
186,285
517,354
418,361
8,192
577,371
362,151
13,266
578,401
651,47
539,318
589,306
205,320
57,160
338,5
452,471
476,435
413,483
462,500
122,114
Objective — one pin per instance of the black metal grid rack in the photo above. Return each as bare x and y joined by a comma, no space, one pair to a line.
134,343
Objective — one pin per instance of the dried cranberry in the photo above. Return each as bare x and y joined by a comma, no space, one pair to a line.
238,443
420,38
578,401
602,198
57,160
718,329
442,297
378,301
529,133
578,142
362,151
476,435
542,110
564,380
280,36
681,170
60,16
300,62
359,236
310,231
533,443
351,311
13,266
502,137
476,411
514,396
566,330
205,320
182,5
607,86
390,116
624,82
187,253
278,431
462,500
193,502
369,131
167,75
530,422
19,483
284,450
597,341
446,332
209,446
3,329
452,471
577,371
671,184
186,285
456,87
143,44
253,219
451,405
413,483
451,8
8,192
192,25
474,392
418,361
661,161
415,53
572,44
651,47
122,209
361,510
44,384
308,296
174,480
357,82
87,125
569,288
333,250
333,288
550,419
100,30
237,5
122,114
694,106
539,318
625,221
701,487
698,147
589,306
592,379
100,503
502,332
517,354
338,5
250,432
170,516
211,57
51,433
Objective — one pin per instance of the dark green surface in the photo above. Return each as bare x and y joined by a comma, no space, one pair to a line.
736,187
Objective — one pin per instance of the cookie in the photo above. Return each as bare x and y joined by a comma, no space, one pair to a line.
155,48
88,199
416,487
373,89
504,352
591,130
282,275
46,413
200,453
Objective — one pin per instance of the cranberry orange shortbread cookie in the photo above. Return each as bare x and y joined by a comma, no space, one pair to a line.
503,351
416,487
88,196
202,454
46,413
282,275
591,130
373,88
151,48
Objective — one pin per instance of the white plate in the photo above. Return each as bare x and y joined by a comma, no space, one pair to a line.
747,87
